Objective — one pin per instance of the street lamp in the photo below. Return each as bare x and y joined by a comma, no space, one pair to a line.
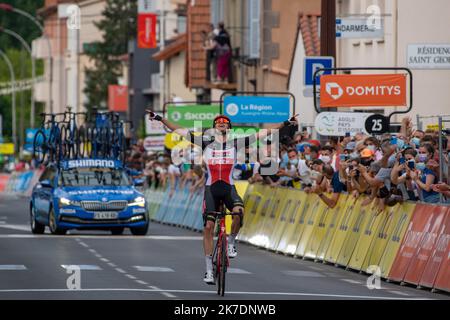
13,92
33,69
8,7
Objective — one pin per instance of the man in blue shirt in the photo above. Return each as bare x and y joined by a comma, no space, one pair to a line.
337,186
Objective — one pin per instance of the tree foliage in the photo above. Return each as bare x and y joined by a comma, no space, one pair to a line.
22,25
117,26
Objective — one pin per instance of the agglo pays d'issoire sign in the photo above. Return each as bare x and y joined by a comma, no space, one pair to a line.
186,116
363,90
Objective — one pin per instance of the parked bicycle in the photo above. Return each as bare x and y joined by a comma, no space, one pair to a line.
47,140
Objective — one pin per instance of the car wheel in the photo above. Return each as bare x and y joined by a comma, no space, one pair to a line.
139,231
53,225
117,231
36,227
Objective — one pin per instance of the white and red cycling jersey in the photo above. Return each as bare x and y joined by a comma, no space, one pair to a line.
220,164
220,158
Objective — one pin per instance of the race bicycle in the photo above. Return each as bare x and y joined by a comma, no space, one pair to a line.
221,261
47,140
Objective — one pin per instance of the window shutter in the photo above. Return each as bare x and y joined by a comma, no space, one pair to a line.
255,29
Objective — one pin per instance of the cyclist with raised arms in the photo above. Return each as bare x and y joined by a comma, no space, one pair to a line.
220,157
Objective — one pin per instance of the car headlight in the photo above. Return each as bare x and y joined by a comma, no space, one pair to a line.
67,202
139,201
64,202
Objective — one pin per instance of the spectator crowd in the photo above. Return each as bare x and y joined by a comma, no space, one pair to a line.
388,169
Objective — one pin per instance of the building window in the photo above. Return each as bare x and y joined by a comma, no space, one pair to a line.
217,11
181,24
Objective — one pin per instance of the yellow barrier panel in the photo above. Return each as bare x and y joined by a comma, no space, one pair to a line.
311,222
259,217
353,229
287,210
384,231
366,238
346,220
330,225
404,214
318,232
294,228
252,202
241,187
262,237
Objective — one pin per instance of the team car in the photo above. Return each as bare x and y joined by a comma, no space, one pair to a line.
87,194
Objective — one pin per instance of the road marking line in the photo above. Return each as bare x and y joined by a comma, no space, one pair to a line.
153,269
331,274
142,282
112,264
315,268
326,295
237,271
93,251
130,276
84,244
399,293
163,292
99,237
351,281
20,227
88,267
98,255
104,260
12,267
120,270
302,273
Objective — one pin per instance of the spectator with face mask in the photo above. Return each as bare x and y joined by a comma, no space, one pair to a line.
399,175
289,173
424,174
373,145
367,157
326,155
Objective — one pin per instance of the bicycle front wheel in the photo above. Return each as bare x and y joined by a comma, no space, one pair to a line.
39,147
222,265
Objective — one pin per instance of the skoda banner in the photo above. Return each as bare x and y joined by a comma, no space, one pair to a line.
186,116
250,109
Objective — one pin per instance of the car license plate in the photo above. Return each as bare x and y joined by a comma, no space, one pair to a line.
105,215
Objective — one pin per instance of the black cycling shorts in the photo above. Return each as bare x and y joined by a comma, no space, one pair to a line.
217,193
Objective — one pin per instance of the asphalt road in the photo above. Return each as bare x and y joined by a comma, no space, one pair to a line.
168,263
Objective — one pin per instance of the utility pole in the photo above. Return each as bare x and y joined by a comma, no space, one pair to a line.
13,93
8,7
33,69
328,29
162,43
328,35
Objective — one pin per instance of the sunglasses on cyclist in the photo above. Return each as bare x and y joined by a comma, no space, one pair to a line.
222,120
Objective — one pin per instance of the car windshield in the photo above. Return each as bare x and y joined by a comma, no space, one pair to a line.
93,177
